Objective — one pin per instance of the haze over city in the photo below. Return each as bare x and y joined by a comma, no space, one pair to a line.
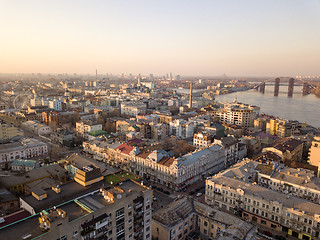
239,38
159,120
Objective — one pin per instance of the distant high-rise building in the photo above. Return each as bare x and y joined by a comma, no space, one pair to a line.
190,100
171,76
151,76
178,78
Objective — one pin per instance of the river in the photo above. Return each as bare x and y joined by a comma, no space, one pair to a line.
299,107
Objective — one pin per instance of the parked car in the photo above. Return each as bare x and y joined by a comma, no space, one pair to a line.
199,194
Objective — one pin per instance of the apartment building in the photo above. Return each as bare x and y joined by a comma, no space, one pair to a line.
84,127
314,152
181,128
176,221
132,109
288,149
203,139
51,118
159,131
231,149
120,212
238,113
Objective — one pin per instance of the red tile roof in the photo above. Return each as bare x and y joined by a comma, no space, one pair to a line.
14,217
125,148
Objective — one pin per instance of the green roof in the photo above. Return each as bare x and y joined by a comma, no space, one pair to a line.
27,163
99,133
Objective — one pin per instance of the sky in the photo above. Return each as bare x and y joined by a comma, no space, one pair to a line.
186,37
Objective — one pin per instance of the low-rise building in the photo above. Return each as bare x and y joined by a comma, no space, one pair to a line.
176,173
8,202
24,165
36,127
25,148
295,216
8,132
183,218
62,136
17,183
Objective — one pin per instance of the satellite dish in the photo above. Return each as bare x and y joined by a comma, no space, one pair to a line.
119,196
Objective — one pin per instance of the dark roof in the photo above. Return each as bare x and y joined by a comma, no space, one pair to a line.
68,192
135,141
268,157
287,144
6,196
229,141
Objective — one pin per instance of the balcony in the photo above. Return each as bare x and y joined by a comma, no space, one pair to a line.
87,231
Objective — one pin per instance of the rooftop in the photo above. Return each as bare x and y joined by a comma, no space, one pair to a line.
22,144
287,144
174,213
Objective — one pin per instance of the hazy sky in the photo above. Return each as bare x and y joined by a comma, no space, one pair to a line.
240,37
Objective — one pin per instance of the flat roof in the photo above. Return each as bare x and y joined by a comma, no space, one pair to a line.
30,225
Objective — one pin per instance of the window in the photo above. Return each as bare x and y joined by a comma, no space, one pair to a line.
119,212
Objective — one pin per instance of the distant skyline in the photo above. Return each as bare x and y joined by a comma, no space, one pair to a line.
238,38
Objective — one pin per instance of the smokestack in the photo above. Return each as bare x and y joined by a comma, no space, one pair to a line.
190,101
